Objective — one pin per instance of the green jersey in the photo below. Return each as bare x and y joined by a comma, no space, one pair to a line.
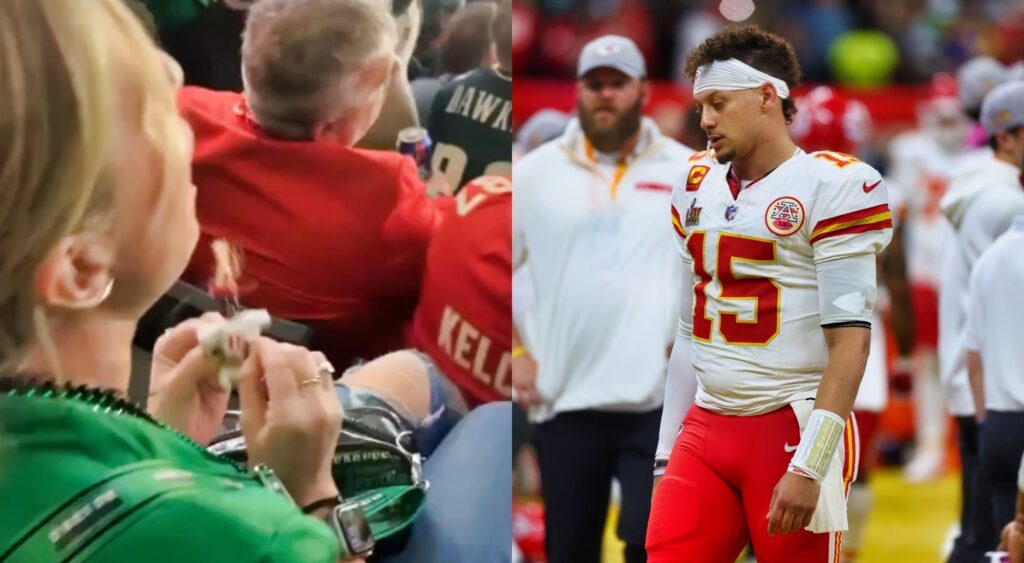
471,126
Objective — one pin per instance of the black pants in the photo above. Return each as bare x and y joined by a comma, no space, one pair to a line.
579,454
977,532
1002,444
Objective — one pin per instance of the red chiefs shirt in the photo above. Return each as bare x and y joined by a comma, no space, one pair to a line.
464,319
333,237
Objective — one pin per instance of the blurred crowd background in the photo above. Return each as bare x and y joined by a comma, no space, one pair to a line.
853,42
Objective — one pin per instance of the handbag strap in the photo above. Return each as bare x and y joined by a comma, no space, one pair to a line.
88,514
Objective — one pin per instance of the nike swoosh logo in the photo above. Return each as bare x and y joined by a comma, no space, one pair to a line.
867,188
790,449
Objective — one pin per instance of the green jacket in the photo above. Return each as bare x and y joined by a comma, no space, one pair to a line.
57,443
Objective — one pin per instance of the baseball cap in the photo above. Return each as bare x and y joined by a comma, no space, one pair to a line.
976,78
1003,107
612,51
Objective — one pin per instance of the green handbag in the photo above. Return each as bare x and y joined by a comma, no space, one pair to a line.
376,464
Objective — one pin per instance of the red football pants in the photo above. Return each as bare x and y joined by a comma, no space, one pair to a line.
718,486
867,427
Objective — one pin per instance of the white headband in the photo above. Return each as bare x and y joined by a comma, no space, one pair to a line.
734,75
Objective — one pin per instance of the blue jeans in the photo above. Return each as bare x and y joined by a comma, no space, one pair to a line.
429,432
468,514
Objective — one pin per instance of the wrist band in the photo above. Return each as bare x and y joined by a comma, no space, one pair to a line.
518,351
322,503
659,467
800,472
818,444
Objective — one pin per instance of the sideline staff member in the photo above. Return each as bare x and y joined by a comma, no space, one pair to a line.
590,219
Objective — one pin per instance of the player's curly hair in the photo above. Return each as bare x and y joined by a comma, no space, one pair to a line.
756,47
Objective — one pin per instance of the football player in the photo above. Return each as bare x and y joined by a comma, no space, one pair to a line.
775,327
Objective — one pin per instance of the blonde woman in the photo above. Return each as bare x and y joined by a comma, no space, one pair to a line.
97,220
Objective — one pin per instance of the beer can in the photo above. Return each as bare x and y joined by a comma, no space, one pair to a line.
414,142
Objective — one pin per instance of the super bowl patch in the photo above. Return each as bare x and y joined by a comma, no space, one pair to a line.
695,177
693,214
784,216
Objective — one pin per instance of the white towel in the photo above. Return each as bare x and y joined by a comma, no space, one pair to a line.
830,514
214,339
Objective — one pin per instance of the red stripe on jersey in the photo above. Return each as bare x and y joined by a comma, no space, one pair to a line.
654,187
676,223
876,226
851,216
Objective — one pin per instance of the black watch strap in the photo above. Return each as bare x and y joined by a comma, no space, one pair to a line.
322,503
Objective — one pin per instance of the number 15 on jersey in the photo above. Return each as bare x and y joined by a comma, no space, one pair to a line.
763,293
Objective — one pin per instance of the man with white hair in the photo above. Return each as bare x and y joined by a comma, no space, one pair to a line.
333,236
775,325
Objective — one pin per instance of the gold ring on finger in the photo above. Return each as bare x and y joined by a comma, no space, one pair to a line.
325,367
326,371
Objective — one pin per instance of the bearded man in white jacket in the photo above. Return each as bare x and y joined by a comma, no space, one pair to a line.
591,221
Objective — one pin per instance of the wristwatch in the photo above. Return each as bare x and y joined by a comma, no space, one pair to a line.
348,521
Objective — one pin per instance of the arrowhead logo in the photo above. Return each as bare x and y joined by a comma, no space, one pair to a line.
788,448
868,188
851,302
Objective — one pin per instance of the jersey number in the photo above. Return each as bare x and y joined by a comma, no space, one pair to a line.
489,186
764,292
840,160
451,161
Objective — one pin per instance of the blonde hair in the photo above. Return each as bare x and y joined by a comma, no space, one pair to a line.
63,65
299,56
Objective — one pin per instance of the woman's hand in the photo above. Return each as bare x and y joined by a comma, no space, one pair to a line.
291,417
183,388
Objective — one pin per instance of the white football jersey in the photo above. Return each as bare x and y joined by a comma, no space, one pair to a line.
757,338
922,167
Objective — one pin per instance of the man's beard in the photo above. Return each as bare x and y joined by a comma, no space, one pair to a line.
614,137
